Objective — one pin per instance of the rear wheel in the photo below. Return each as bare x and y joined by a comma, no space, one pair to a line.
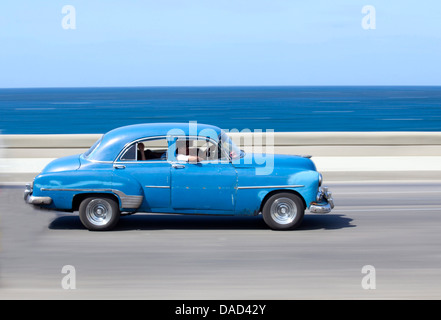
99,213
283,211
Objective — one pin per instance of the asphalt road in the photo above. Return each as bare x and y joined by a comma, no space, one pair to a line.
393,227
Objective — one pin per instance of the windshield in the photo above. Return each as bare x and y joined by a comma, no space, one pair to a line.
92,148
230,147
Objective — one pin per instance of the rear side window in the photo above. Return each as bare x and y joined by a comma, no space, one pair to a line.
152,149
146,150
130,154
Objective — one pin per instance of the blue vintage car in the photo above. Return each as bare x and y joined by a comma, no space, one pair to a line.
178,168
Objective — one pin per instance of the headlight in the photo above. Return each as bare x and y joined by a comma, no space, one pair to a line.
320,179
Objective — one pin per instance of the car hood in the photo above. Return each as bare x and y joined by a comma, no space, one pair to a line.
68,163
275,160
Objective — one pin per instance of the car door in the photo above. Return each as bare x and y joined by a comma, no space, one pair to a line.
207,185
151,175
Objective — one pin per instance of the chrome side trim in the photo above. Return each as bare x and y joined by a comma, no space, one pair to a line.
140,162
162,187
68,189
98,161
271,187
127,201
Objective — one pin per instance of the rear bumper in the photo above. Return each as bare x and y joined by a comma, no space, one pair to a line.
30,199
324,202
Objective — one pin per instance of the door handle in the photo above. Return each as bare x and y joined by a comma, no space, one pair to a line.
178,166
119,166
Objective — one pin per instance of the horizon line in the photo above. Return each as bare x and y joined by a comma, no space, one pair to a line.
218,86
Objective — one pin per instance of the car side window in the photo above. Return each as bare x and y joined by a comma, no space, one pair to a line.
191,149
130,154
152,150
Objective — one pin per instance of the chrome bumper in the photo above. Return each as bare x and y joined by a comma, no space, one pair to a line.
324,202
30,199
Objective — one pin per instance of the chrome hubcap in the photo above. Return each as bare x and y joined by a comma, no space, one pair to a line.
98,212
283,211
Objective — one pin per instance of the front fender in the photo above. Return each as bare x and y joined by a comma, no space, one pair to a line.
253,189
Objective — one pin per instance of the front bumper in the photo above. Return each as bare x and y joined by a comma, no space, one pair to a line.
30,199
324,202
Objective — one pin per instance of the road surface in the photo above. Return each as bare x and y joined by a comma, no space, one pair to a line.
392,229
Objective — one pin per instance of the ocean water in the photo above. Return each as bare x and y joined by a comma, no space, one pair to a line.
98,110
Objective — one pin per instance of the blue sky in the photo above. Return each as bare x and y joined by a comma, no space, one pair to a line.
222,42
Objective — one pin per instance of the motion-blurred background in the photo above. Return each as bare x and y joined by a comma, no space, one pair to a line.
354,84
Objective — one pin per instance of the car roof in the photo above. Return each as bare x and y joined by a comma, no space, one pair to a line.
114,141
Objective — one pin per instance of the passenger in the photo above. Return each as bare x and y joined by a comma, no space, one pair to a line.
141,152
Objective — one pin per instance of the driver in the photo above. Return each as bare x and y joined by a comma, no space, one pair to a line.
183,152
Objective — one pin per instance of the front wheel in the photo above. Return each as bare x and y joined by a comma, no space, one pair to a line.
283,211
99,213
